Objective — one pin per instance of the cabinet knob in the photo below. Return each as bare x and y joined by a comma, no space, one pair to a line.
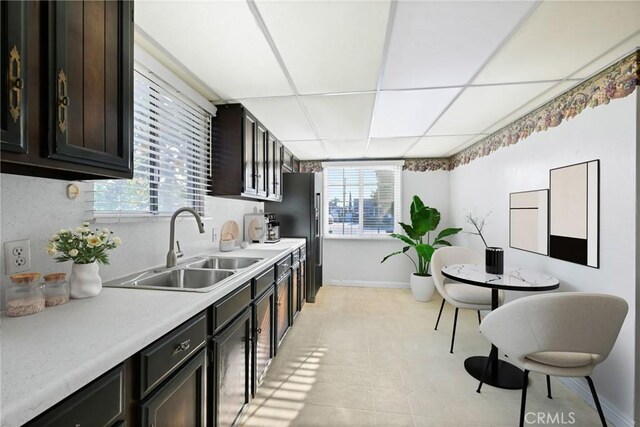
259,330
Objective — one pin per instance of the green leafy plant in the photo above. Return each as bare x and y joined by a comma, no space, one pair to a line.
424,221
82,245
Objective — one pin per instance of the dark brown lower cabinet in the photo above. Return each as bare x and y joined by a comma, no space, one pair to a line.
101,403
295,290
283,297
263,341
230,386
182,400
303,281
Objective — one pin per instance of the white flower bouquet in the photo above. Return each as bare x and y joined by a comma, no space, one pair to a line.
83,245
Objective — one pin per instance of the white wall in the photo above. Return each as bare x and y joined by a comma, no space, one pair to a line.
607,133
358,261
35,208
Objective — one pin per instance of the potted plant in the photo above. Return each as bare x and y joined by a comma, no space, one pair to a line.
424,220
86,248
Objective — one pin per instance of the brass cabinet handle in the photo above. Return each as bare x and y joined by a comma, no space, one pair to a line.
15,84
63,101
184,345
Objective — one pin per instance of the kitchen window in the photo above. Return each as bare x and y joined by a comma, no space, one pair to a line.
362,199
171,156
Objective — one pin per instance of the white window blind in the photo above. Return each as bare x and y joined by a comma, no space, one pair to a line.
362,199
171,144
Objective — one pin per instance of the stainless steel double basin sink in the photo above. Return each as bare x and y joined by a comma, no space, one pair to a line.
200,274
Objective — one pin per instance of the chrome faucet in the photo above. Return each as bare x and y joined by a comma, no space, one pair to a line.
172,258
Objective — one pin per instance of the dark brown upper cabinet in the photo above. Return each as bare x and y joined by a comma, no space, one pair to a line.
13,48
246,159
287,160
261,160
274,159
78,107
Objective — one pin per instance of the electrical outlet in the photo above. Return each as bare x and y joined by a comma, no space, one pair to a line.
17,256
214,234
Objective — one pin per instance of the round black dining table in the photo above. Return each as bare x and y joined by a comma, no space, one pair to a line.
500,373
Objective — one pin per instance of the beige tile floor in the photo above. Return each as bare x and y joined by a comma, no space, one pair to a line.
370,357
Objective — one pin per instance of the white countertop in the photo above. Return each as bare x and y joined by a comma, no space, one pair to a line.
50,355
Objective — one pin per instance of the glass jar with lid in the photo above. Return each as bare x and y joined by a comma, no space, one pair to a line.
56,289
25,295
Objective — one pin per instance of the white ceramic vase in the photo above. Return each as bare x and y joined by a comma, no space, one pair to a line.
422,287
85,282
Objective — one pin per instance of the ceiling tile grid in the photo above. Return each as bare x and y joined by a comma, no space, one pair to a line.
382,79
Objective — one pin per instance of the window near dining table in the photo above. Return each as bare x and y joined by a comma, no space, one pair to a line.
171,156
361,199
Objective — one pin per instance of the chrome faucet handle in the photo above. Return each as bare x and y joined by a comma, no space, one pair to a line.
179,253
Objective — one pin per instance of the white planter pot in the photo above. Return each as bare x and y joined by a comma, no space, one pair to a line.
85,281
422,287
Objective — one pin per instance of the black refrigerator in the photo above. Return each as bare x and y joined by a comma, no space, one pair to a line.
300,215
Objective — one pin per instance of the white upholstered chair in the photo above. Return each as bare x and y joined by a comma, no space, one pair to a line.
562,334
457,294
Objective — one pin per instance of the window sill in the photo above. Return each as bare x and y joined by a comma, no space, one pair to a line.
365,237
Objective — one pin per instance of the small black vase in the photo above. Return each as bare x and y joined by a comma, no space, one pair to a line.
494,260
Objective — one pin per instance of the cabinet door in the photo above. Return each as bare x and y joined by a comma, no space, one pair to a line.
303,282
91,82
13,96
271,163
250,135
283,319
261,160
277,172
295,291
231,376
263,336
182,400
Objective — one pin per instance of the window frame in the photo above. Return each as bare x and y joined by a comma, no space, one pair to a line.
394,165
171,84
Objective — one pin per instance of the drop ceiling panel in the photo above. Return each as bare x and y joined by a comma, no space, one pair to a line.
329,46
389,147
341,116
307,150
615,54
479,107
440,43
560,37
283,116
536,102
436,146
219,41
346,149
409,113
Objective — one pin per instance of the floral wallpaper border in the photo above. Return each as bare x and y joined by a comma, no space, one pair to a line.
617,81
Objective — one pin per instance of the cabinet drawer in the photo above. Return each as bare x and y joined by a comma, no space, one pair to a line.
295,255
264,281
100,403
231,306
303,253
165,355
283,266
